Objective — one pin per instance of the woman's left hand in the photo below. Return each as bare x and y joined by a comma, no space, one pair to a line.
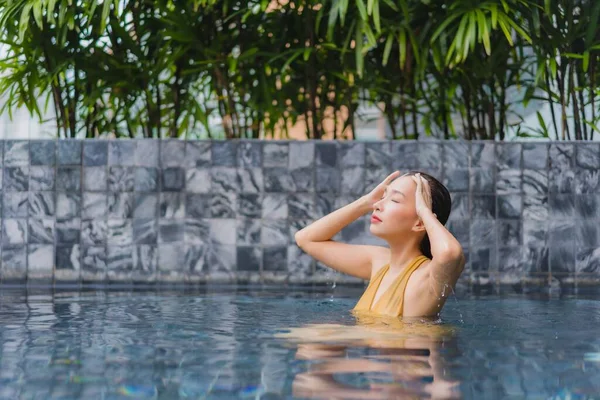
422,195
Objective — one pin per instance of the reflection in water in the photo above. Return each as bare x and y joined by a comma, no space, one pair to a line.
394,358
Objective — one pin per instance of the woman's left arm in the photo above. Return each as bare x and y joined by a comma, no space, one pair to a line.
447,261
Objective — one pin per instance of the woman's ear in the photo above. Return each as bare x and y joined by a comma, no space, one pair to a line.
419,226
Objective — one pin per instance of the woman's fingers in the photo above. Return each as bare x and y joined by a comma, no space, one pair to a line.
391,177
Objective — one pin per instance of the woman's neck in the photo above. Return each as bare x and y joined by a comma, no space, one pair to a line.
402,254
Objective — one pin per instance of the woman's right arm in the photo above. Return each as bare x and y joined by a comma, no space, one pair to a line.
356,260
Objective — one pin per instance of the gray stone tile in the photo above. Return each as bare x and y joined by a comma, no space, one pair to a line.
378,155
405,155
508,233
561,181
535,156
198,154
326,154
121,179
197,205
173,179
68,205
224,180
145,205
249,258
301,155
483,207
537,259
14,232
95,153
277,180
197,231
324,203
15,204
14,263
146,153
508,156
119,262
353,181
483,154
222,261
275,155
561,206
274,233
483,233
587,181
94,232
482,259
95,179
275,258
145,263
509,181
222,231
535,207
145,231
303,179
41,178
588,262
121,152
456,180
196,261
249,154
511,268
94,205
68,262
223,205
120,232
562,156
197,180
16,179
171,259
93,263
456,154
248,232
373,177
352,154
16,153
224,153
249,180
275,206
301,206
41,230
68,152
587,206
68,179
587,234
146,179
535,182
40,261
42,152
510,206
172,151
460,230
482,180
120,205
68,231
354,232
300,264
327,180
430,155
535,233
42,204
562,259
587,155
171,231
460,206
249,205
561,231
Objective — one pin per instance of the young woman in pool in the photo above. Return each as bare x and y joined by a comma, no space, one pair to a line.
414,276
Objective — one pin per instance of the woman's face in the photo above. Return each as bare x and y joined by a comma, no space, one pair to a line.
395,213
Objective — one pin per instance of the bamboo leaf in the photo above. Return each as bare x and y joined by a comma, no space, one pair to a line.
358,50
586,60
370,4
360,4
388,48
376,18
484,34
105,11
402,47
442,28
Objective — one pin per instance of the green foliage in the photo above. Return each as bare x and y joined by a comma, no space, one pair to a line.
171,69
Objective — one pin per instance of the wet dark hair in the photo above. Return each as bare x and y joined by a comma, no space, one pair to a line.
441,205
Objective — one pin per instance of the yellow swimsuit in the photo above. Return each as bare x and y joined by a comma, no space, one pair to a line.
391,303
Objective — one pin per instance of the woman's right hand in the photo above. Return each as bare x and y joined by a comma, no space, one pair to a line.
377,193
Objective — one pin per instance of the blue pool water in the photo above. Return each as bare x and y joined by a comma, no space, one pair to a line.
232,343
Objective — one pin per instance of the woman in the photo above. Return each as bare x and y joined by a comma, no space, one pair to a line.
411,278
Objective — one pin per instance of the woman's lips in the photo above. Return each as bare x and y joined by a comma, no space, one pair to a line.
375,218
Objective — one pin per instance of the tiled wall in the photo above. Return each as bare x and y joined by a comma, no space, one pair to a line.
196,211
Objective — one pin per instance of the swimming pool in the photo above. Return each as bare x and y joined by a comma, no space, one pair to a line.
225,343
